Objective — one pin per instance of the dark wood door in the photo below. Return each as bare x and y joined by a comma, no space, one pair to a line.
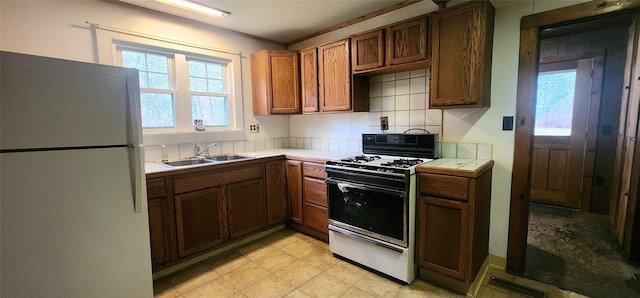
200,220
160,222
276,181
443,236
334,76
247,207
564,94
294,188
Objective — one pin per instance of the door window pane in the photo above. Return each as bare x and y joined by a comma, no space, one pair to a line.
554,103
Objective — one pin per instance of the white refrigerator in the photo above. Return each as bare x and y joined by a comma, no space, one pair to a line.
73,213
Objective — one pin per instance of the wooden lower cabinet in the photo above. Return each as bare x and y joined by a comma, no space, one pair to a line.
453,216
276,180
445,227
294,188
200,220
247,208
161,231
315,217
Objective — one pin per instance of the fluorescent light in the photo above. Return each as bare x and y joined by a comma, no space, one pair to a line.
196,7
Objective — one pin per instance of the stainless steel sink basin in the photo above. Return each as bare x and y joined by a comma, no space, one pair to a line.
227,157
188,162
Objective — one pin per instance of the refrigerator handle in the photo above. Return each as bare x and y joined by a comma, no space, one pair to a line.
135,134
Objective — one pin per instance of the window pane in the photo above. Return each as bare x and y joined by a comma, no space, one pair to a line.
157,63
215,86
212,109
198,84
197,69
158,80
554,104
153,69
206,77
157,109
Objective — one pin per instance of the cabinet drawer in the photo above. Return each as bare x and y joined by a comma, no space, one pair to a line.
315,191
315,217
202,180
443,186
156,188
312,169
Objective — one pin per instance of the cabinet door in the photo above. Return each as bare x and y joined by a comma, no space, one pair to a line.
247,207
367,50
275,82
407,42
334,68
443,236
315,191
461,56
276,192
294,188
200,220
309,77
160,222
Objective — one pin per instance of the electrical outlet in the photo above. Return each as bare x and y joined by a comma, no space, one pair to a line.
384,123
254,127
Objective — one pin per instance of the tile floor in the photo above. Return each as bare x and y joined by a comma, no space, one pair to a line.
290,264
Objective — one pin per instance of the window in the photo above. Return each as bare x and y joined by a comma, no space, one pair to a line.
554,103
209,93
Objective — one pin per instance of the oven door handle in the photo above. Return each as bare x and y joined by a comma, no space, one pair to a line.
341,184
367,238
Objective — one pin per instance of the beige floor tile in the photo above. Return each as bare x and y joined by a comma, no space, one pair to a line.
245,276
255,250
318,243
499,273
354,292
281,239
320,258
420,288
299,248
379,286
324,285
215,288
346,272
297,294
187,280
271,286
297,273
227,262
275,260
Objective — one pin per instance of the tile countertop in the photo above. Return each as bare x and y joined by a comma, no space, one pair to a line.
297,154
464,167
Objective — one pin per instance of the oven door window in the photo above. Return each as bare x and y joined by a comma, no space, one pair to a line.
377,210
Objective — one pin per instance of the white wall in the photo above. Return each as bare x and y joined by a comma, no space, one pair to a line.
482,126
58,29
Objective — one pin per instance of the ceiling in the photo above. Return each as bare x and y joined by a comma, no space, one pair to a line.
283,21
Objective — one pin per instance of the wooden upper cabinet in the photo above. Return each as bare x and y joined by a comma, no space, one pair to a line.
407,41
367,50
462,41
309,78
275,82
334,76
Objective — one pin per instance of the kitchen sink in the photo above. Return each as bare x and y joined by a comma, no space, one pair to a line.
227,157
188,162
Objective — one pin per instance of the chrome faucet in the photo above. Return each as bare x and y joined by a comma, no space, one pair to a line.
197,152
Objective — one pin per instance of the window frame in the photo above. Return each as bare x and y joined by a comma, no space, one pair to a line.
109,43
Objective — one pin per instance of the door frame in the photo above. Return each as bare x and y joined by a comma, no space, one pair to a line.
529,56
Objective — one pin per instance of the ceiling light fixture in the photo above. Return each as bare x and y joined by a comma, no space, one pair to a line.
196,7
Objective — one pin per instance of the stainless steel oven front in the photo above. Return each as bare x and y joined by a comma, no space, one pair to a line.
378,213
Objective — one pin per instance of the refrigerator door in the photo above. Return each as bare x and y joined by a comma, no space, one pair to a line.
50,103
68,227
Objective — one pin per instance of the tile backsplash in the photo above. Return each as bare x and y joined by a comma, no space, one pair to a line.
403,97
